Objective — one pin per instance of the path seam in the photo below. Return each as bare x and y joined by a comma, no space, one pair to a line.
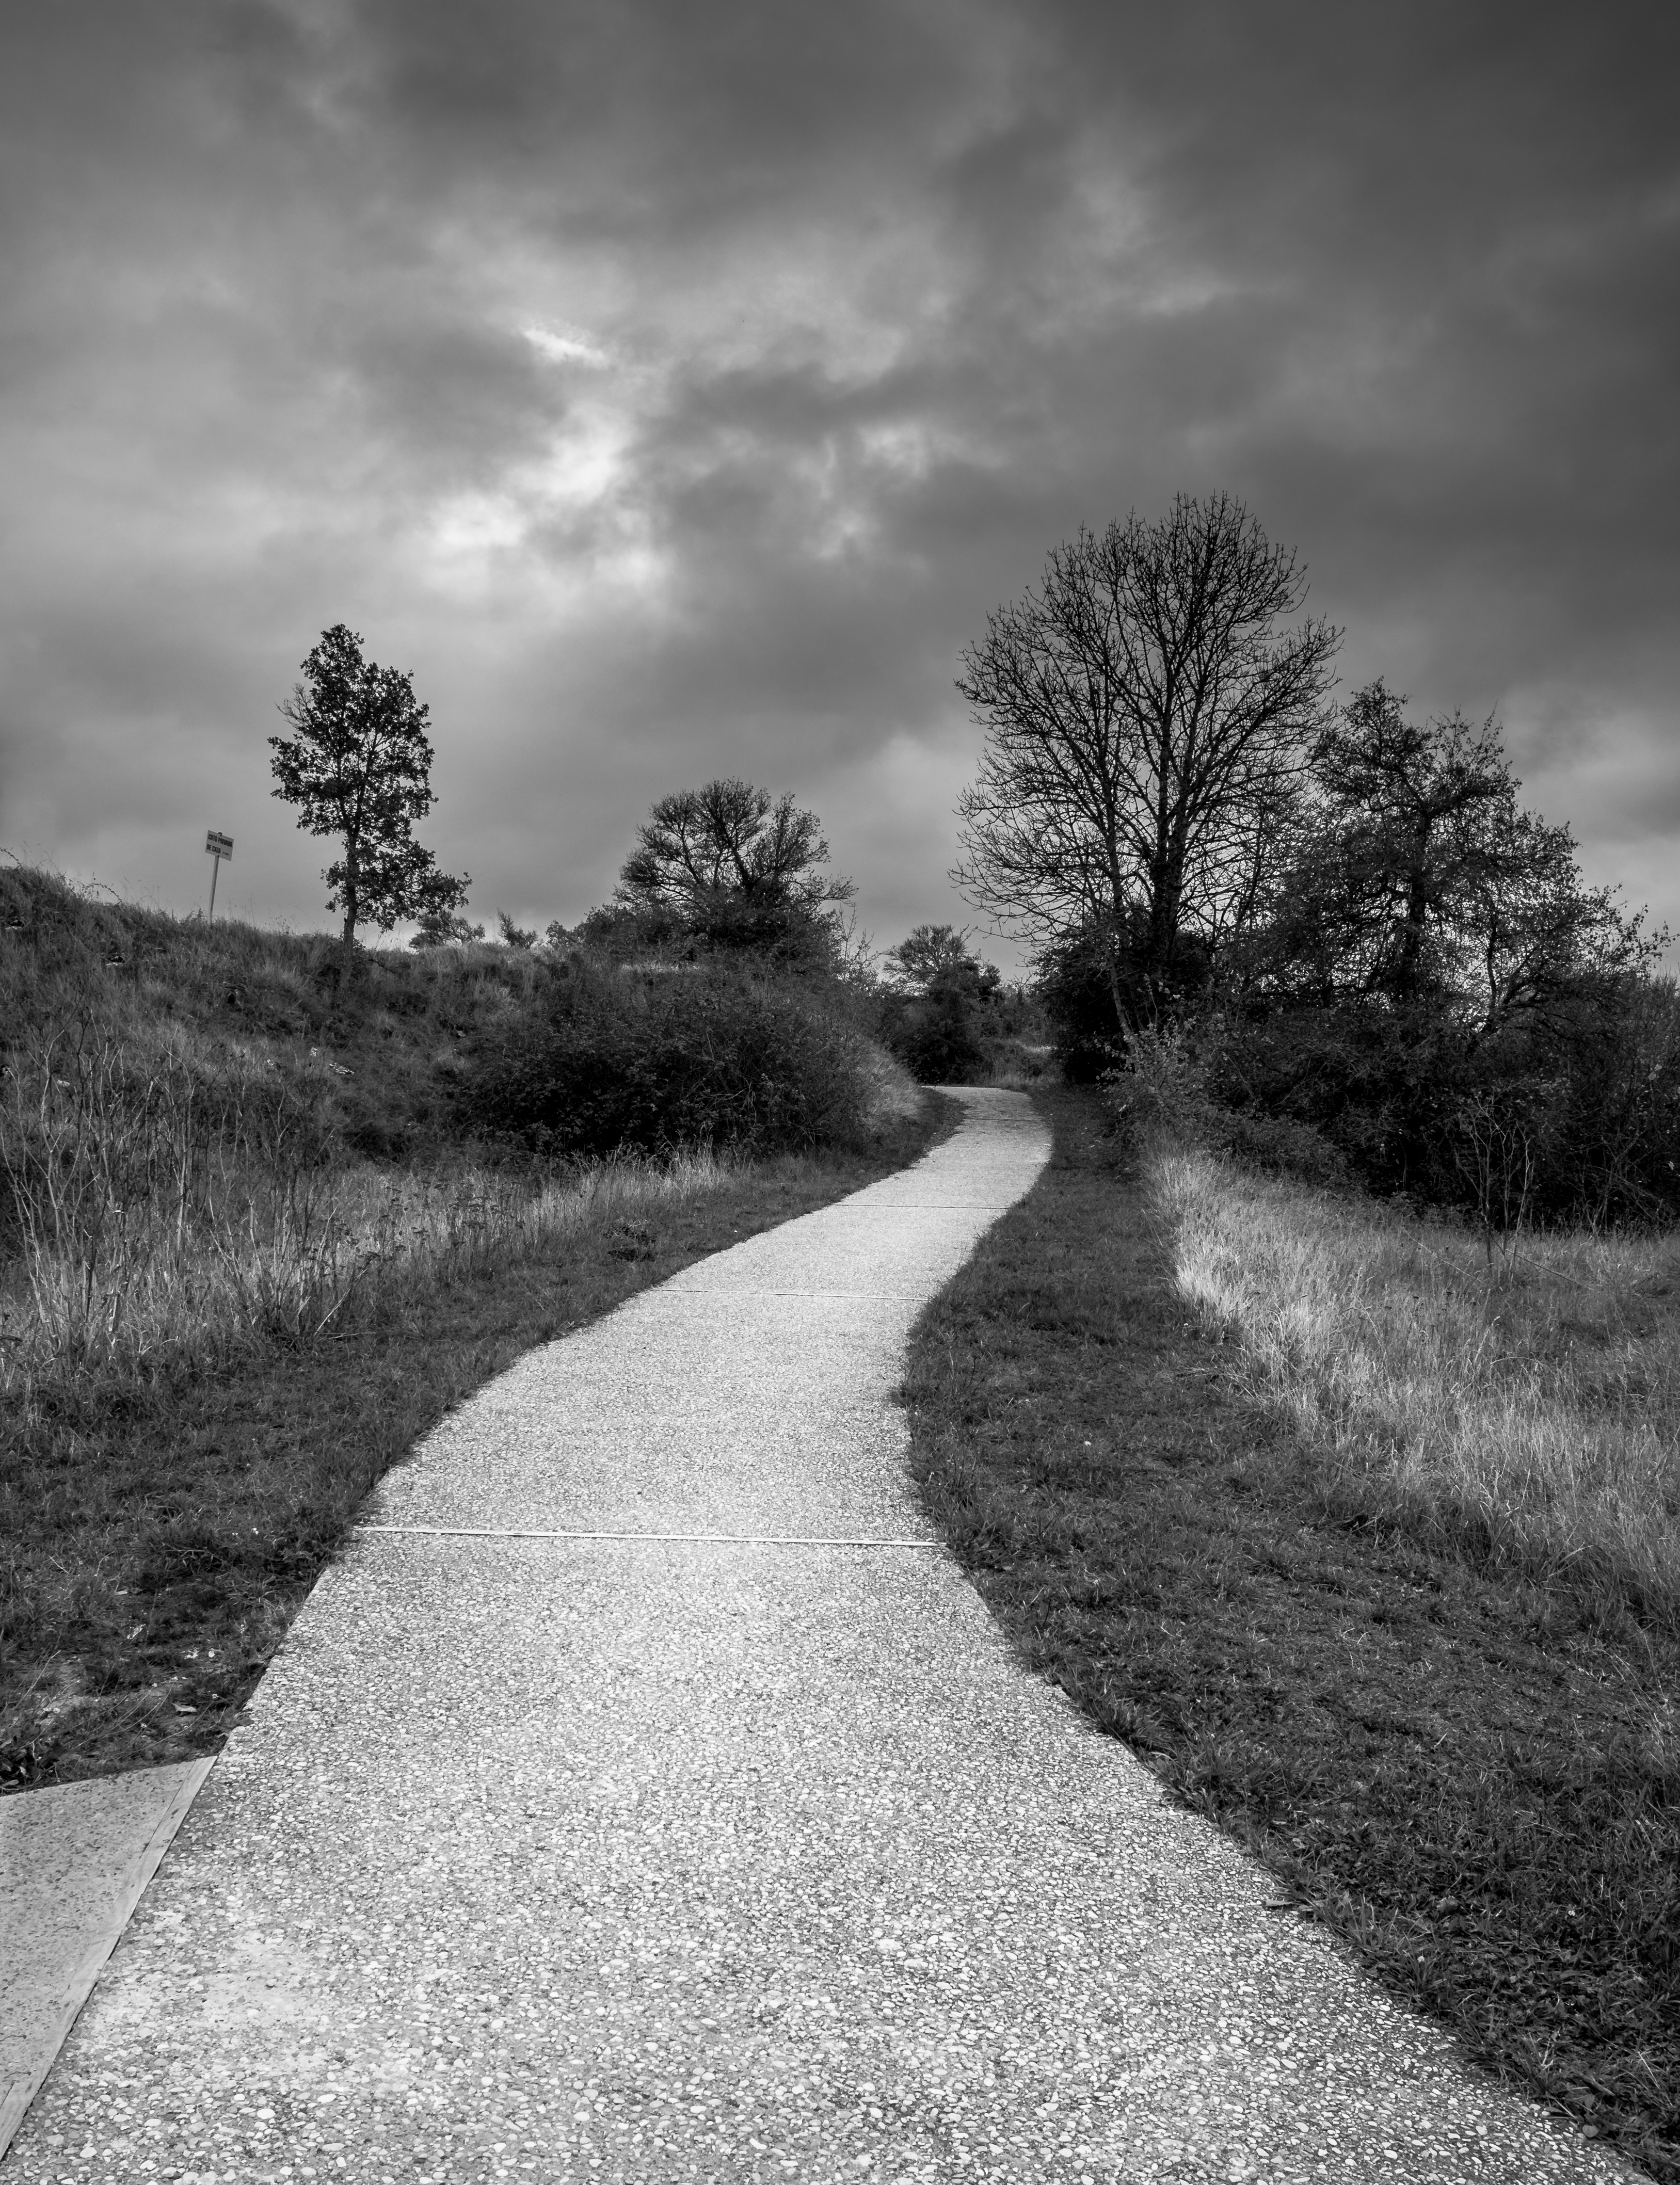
729,1540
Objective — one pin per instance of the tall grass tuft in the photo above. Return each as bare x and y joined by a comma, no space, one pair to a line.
1529,1405
168,1215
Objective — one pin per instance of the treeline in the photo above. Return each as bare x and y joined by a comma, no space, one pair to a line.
1336,930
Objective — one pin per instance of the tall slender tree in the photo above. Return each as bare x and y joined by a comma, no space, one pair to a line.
359,767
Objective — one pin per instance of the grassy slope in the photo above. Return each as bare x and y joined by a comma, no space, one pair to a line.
158,1531
1446,1765
397,1030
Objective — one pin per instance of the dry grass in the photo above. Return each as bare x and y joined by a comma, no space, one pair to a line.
1528,1400
168,1218
161,1518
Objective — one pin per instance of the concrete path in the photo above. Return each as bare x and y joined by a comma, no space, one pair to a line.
74,1861
654,1859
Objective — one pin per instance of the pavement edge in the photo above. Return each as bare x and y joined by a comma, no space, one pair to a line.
19,2090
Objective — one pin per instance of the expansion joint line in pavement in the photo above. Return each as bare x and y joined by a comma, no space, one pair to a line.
695,1540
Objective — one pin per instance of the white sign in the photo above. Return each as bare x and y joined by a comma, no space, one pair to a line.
218,845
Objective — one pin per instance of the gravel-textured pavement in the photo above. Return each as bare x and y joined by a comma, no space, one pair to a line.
594,1858
74,1860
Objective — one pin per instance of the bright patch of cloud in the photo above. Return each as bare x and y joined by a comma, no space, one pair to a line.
566,348
568,517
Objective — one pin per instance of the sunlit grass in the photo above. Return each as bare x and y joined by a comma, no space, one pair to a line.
1530,1401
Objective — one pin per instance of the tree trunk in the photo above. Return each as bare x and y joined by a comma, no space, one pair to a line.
1166,893
1417,910
1122,1015
352,903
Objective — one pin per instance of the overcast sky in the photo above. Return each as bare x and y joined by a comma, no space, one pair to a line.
672,388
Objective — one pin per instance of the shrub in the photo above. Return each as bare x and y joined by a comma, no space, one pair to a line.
1165,1090
938,1037
655,1061
1565,1115
1075,988
1099,984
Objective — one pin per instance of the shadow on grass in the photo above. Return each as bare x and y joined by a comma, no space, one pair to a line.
1449,1766
159,1539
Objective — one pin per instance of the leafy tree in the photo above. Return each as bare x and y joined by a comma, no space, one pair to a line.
1442,994
439,933
360,767
941,1006
937,958
440,921
732,867
1426,880
440,936
1147,722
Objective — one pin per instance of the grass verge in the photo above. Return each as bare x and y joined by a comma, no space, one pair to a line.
160,1535
1528,1403
1448,1760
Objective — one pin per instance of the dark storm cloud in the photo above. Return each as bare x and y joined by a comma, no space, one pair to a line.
674,389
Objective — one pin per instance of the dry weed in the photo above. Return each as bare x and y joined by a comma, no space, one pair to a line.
1534,1402
164,1214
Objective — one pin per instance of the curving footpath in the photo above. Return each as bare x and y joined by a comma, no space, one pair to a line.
736,1849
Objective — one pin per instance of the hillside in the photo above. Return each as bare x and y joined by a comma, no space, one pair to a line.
380,1053
265,1219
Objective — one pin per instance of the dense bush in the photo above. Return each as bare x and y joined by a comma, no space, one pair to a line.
1568,1113
940,1037
1381,1085
1571,1112
1165,1084
1097,990
656,1060
1078,998
950,1017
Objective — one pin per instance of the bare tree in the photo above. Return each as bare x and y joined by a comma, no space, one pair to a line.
1146,726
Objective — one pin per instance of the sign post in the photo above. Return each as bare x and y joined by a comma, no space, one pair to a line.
217,846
